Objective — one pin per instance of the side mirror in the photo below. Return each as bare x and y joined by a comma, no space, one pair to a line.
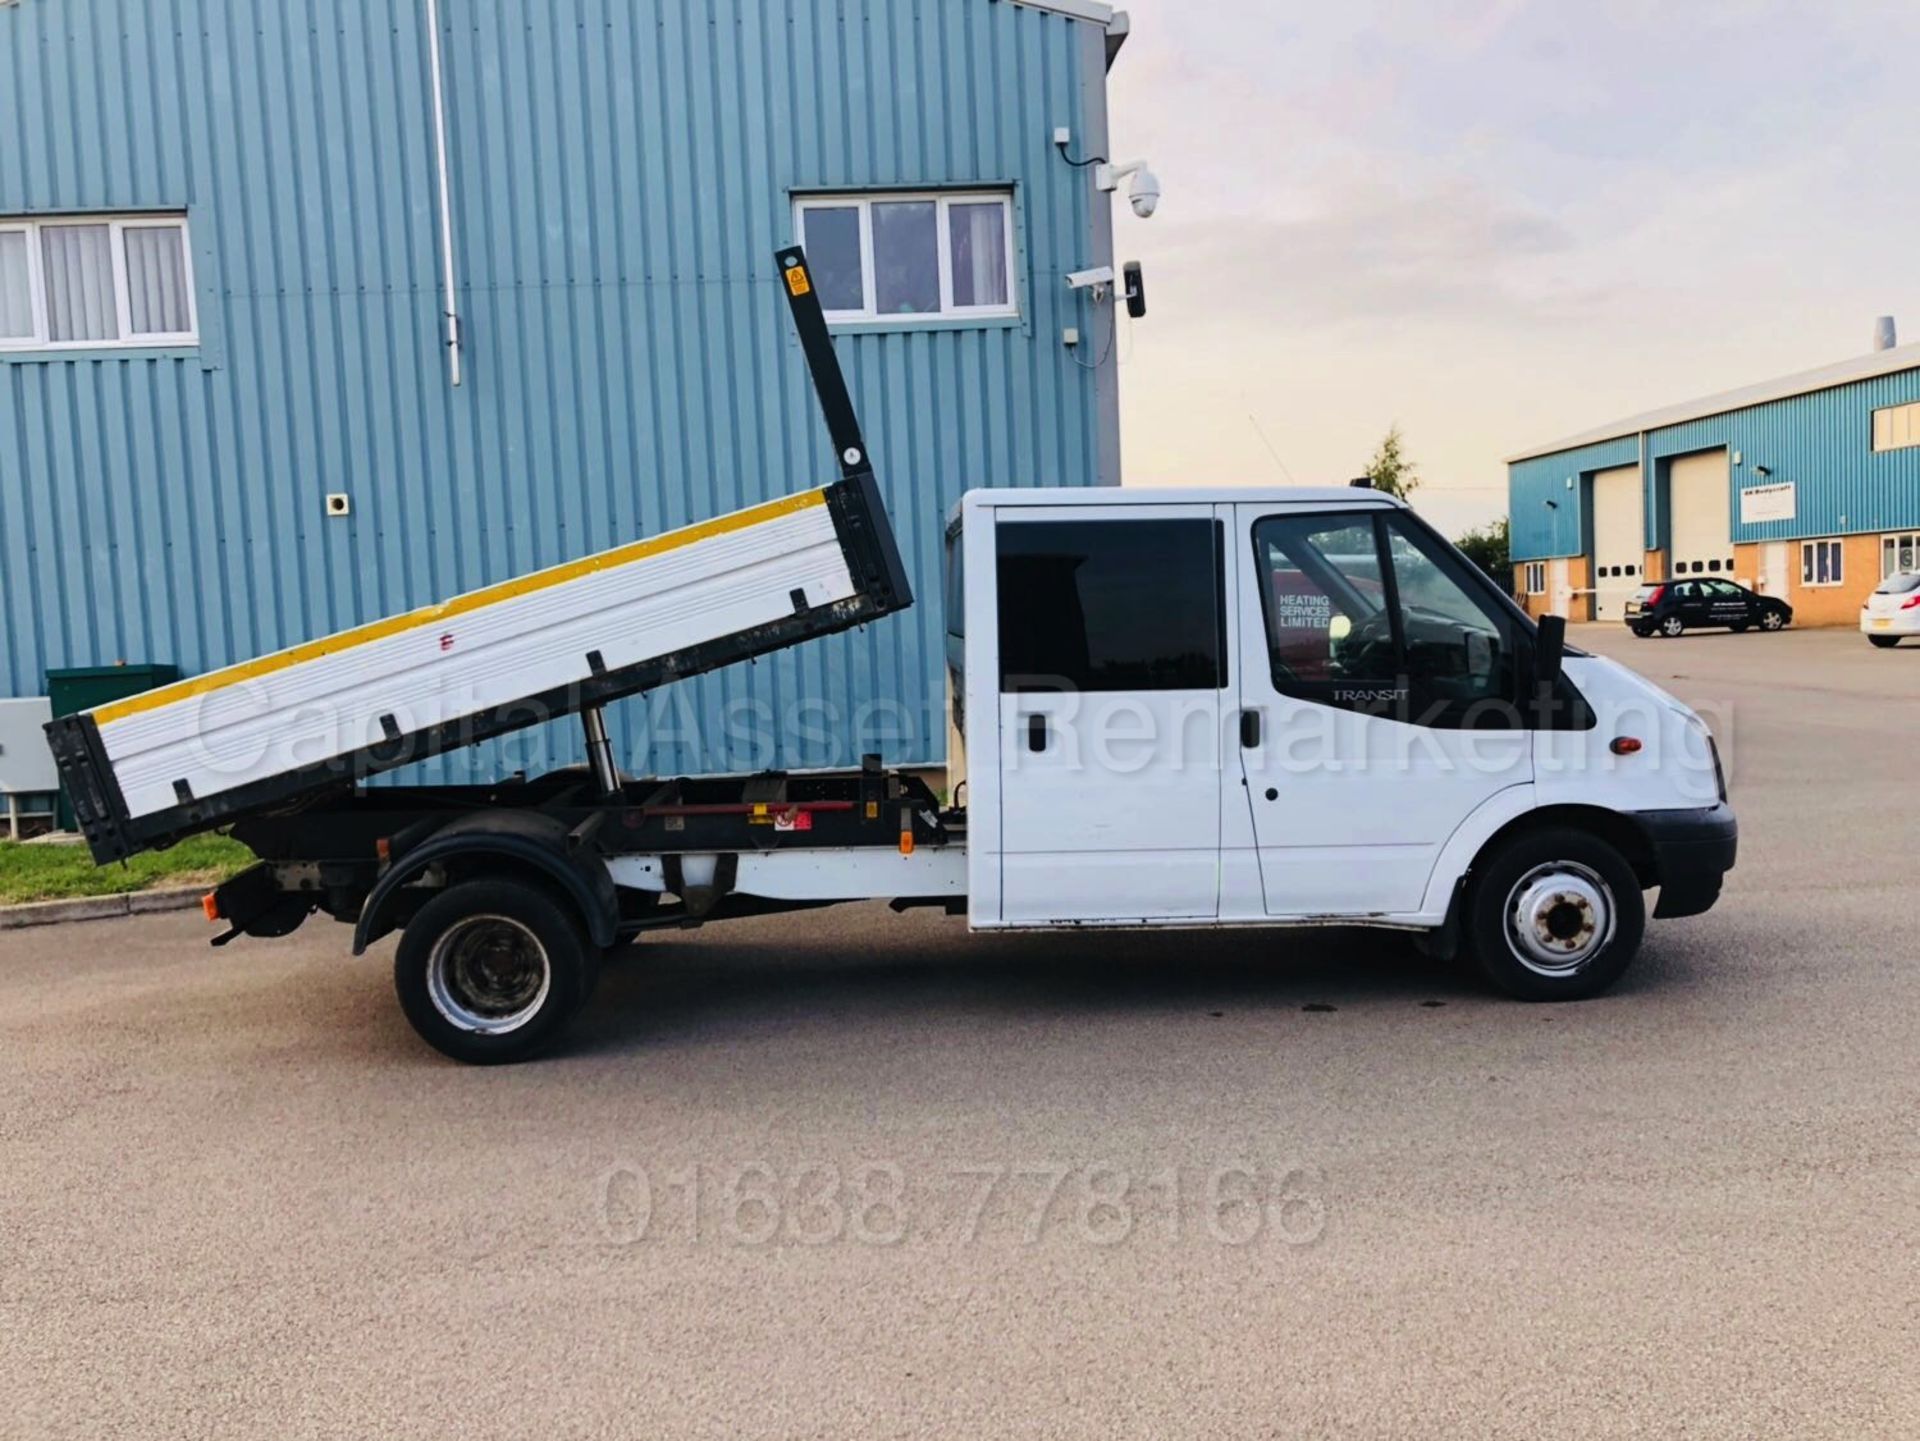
1549,648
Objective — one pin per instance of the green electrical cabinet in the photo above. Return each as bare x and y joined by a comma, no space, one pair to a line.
83,687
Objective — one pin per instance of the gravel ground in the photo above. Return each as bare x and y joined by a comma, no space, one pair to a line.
856,1174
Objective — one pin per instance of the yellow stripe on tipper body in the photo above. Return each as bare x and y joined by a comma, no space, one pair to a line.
459,605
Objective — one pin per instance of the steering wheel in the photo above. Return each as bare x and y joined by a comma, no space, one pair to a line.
1366,651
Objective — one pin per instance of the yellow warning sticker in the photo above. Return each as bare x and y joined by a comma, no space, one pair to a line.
797,281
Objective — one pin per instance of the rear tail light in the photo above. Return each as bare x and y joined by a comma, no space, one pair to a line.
1910,602
1653,598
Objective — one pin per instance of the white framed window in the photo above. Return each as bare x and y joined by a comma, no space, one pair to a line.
1899,553
892,255
1895,427
96,282
1820,562
1536,577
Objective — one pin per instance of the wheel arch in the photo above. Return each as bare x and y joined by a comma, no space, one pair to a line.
1512,813
1616,828
473,847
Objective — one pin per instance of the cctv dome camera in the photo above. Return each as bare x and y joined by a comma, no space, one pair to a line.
1145,194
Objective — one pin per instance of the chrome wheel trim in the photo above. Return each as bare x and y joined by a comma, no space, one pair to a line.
1672,625
1772,620
488,975
1559,917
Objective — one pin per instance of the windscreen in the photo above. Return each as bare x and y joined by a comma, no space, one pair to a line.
1898,584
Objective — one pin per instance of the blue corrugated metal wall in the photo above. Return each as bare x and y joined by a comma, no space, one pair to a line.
622,175
1548,514
1822,442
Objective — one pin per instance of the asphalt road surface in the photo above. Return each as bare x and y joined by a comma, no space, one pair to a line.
852,1174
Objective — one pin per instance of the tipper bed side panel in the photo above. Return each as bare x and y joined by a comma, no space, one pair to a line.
186,758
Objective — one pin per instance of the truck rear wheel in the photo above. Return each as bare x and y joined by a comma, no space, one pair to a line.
1554,915
491,970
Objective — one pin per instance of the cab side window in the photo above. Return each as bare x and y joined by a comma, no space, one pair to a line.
1325,595
1371,612
1111,605
1460,647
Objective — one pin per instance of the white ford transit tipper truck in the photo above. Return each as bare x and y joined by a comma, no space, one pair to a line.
1188,708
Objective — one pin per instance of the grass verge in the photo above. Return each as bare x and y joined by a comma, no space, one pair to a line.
58,873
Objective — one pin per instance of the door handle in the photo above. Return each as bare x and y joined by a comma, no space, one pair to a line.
1036,733
1249,729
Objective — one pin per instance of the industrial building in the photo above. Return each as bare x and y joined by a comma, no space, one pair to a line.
310,314
1806,488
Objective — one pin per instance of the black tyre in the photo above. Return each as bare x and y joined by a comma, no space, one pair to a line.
1673,626
1739,627
1553,915
1773,620
490,971
1645,632
1884,642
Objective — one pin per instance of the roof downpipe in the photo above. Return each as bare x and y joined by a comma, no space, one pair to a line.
450,287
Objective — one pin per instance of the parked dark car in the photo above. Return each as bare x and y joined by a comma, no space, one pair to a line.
1676,606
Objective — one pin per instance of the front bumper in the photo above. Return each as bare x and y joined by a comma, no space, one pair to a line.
1692,852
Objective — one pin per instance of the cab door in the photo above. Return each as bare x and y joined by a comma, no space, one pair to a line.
1380,686
1113,668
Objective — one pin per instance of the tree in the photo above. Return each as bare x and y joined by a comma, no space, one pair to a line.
1488,548
1390,470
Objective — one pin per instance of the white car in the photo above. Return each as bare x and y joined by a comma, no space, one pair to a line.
1893,610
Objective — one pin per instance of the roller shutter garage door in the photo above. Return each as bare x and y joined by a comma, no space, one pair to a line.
1619,540
1698,494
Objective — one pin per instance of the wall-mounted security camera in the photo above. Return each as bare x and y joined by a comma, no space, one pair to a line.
1099,278
1144,193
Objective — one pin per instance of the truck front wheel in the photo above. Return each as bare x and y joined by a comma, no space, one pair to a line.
1554,915
491,970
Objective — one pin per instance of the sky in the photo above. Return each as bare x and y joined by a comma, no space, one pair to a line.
1496,222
